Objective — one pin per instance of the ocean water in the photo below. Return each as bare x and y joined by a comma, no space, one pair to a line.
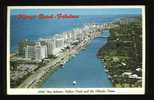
35,28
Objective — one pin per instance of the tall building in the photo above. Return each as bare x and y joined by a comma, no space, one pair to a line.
22,45
65,39
59,42
40,52
29,52
51,46
36,52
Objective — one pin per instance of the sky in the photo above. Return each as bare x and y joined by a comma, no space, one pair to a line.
100,11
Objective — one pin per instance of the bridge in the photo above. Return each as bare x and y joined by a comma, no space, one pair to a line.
107,26
104,26
103,37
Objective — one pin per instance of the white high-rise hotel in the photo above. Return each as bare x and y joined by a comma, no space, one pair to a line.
58,42
55,45
36,52
40,51
29,51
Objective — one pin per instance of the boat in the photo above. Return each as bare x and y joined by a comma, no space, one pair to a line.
106,70
74,82
109,77
62,66
73,55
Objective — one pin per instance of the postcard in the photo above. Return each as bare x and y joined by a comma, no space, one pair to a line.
75,50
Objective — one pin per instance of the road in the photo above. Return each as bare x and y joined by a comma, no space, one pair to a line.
33,79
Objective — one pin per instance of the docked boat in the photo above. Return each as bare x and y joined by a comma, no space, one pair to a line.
106,70
62,65
109,77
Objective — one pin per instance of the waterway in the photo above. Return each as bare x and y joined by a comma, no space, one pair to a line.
85,68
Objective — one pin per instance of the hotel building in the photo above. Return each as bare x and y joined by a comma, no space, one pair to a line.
36,52
29,52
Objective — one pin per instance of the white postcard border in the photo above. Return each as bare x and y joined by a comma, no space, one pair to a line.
76,91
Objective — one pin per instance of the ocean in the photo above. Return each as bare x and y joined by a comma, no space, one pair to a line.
36,28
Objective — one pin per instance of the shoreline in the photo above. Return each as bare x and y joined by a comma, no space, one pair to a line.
122,55
50,70
33,80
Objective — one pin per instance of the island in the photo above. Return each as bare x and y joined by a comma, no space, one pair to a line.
122,55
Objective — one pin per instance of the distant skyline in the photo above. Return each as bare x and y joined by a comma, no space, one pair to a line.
100,11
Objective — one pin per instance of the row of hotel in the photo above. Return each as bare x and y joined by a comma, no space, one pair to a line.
59,42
